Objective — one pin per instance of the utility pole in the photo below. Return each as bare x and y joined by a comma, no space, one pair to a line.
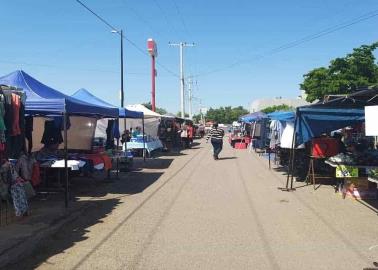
122,93
182,81
190,94
152,49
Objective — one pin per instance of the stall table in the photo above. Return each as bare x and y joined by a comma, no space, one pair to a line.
357,166
149,146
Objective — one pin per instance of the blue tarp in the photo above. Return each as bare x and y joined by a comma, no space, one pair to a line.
286,116
44,100
252,117
85,95
315,120
312,122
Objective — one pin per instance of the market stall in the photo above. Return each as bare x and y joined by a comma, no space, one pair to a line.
333,133
150,122
56,108
109,128
280,135
254,131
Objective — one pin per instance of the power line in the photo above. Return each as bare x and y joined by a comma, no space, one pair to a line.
298,42
181,17
64,67
141,18
172,29
123,36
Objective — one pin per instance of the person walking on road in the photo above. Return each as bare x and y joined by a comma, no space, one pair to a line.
216,134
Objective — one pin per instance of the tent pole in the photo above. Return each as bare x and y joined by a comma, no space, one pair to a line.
66,195
117,153
291,160
144,141
124,131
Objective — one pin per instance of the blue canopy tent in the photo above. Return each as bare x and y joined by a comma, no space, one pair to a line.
314,120
252,117
329,115
86,96
286,116
44,100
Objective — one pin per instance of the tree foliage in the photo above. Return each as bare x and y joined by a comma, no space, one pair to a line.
197,118
161,111
282,107
225,115
178,114
343,75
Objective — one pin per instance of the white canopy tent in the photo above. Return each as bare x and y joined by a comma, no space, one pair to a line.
151,122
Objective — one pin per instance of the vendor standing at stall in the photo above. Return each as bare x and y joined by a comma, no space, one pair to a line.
190,134
136,132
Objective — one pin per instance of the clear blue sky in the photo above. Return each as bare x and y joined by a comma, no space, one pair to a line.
66,47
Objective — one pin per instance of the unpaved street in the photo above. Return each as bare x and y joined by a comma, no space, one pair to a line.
191,212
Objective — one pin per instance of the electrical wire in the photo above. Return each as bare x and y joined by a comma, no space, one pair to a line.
127,39
181,17
171,28
141,18
64,67
297,42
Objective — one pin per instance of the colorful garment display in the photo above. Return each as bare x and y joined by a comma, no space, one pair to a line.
16,105
20,201
29,132
2,123
14,122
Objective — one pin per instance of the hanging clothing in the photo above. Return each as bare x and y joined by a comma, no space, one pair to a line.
25,166
29,132
16,105
258,130
20,201
116,133
110,135
19,197
8,114
36,175
51,134
58,121
2,122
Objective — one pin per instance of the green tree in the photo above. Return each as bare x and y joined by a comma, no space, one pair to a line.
178,114
161,111
344,75
282,107
225,115
197,118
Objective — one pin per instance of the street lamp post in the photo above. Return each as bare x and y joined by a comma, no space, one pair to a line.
122,94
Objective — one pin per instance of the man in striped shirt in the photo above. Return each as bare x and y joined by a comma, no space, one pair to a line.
216,134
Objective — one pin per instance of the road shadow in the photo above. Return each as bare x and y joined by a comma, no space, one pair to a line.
372,204
194,144
128,184
97,195
175,153
68,236
154,163
281,169
226,158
